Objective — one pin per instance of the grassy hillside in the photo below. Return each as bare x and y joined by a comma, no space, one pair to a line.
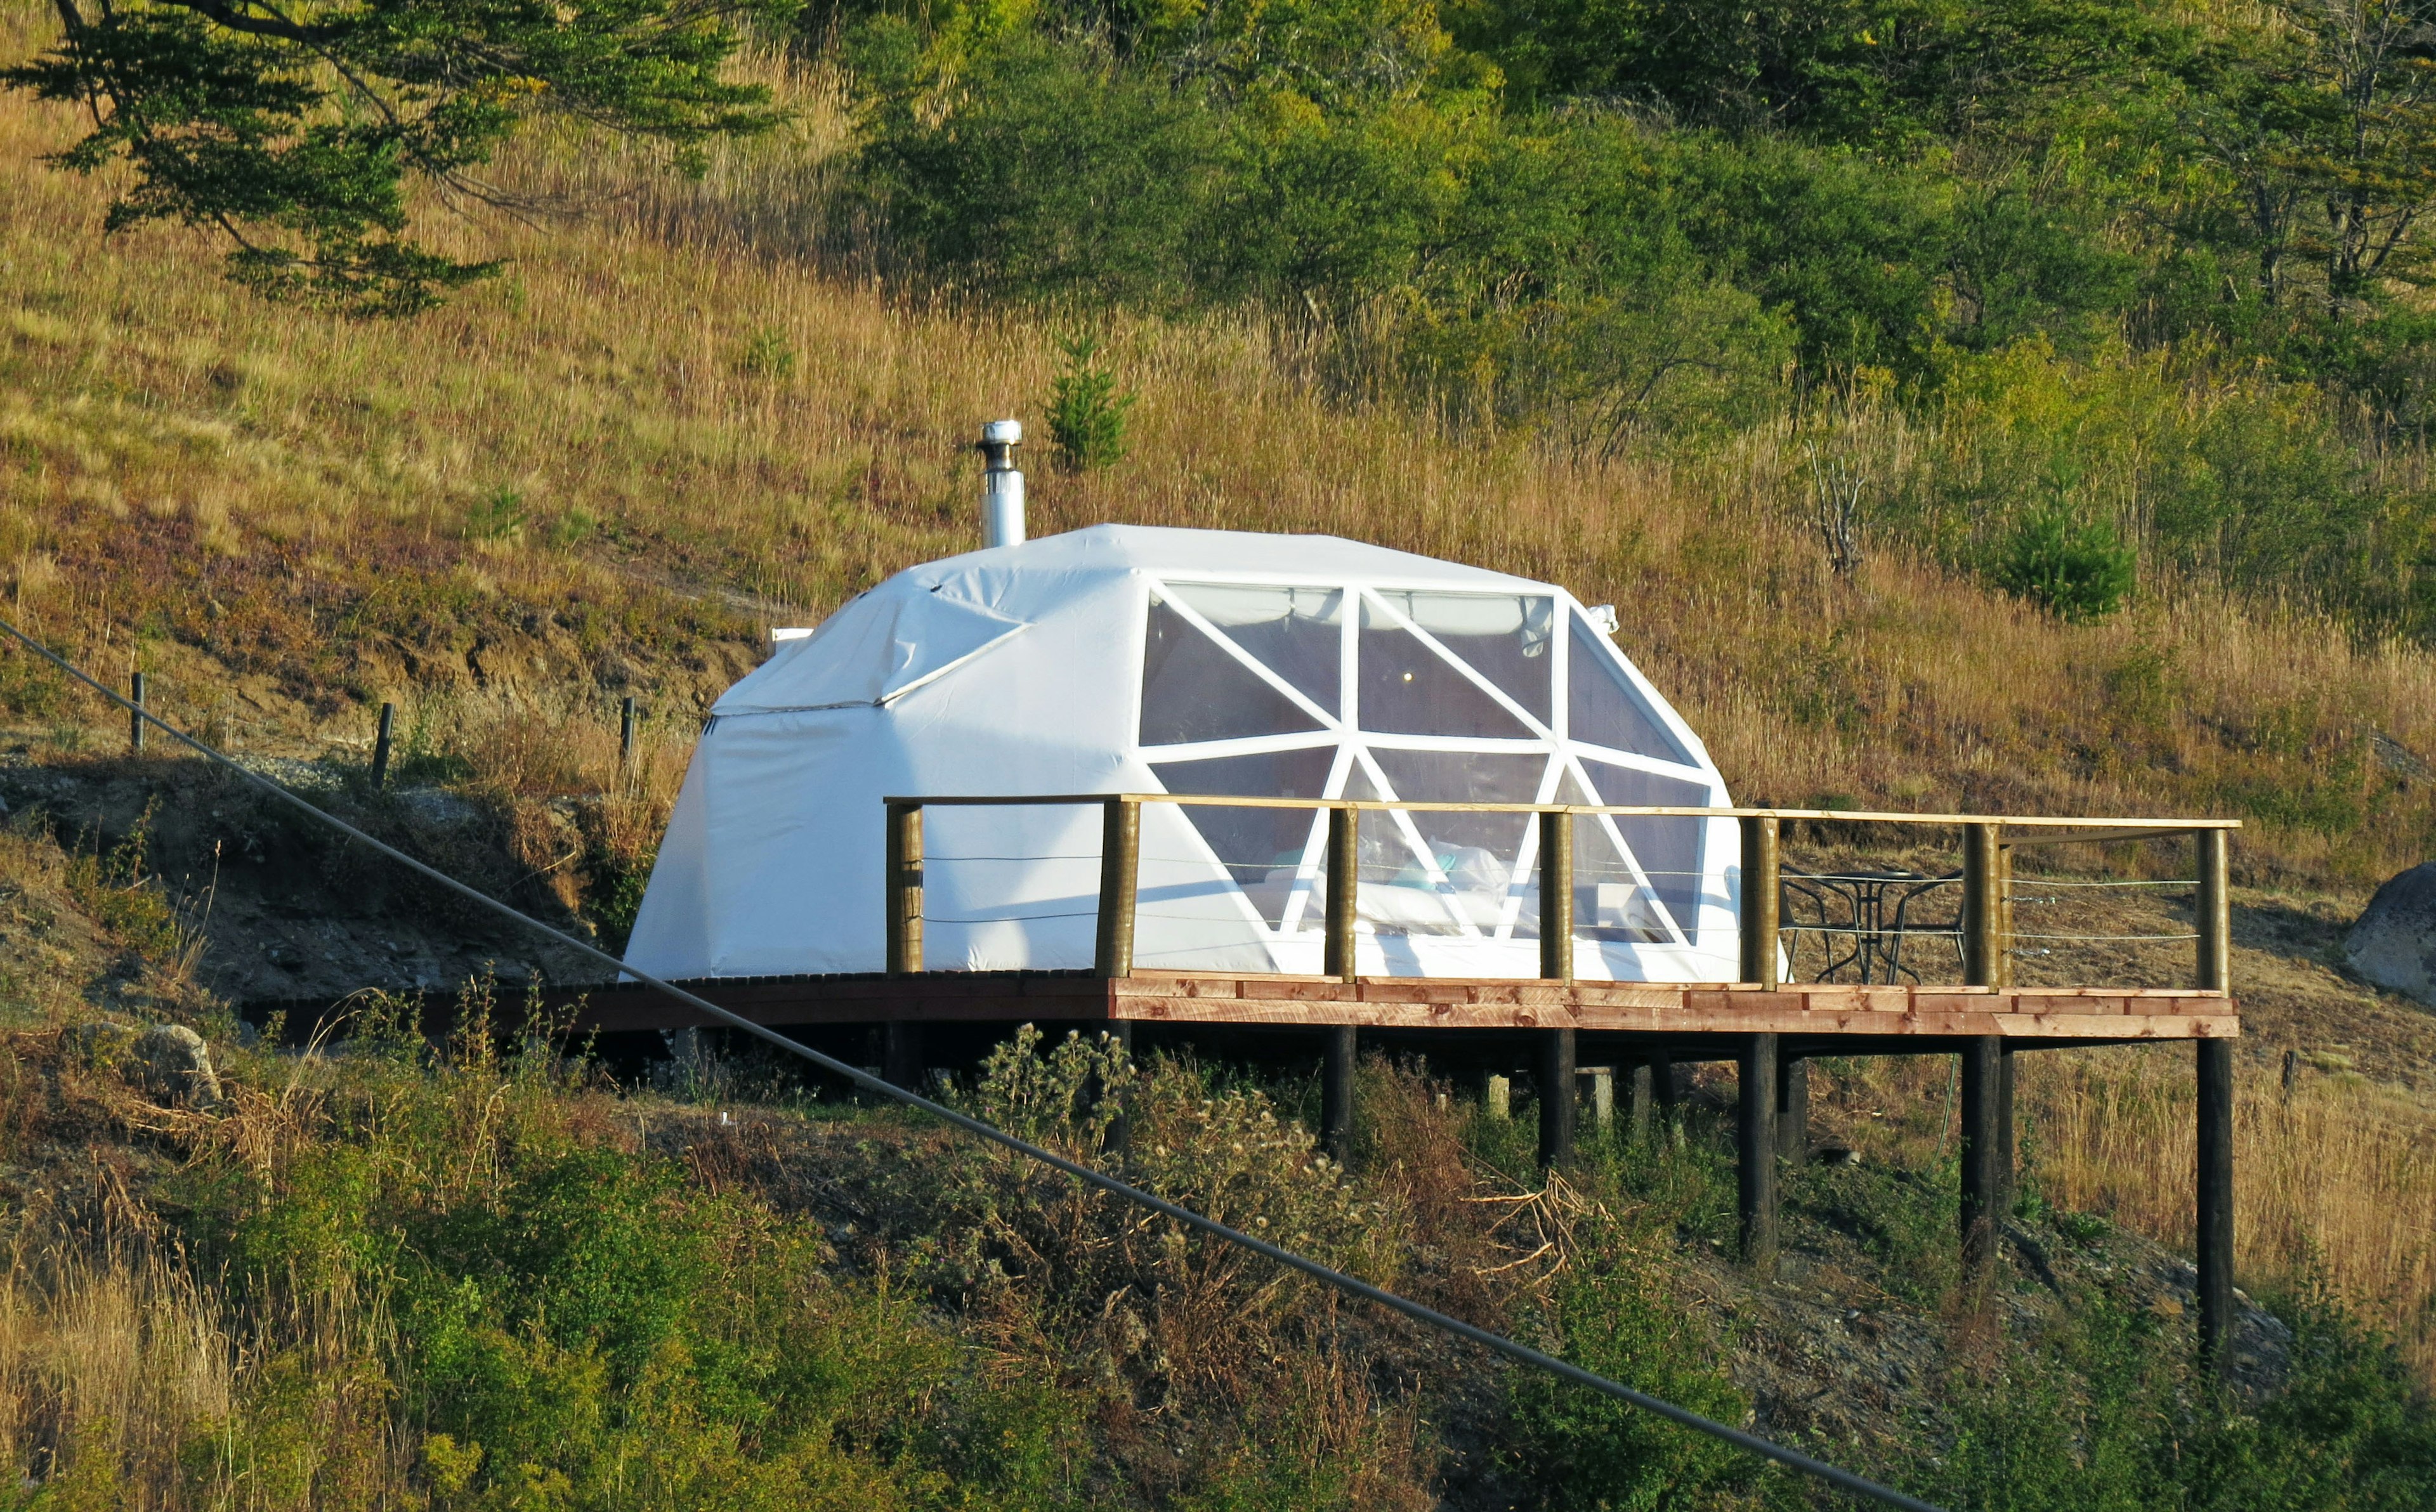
681,418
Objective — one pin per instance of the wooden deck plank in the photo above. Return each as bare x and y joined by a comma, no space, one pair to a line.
1406,1003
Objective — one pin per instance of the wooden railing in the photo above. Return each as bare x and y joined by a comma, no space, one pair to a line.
1988,843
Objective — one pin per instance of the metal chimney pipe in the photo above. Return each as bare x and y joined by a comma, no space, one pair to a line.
1002,485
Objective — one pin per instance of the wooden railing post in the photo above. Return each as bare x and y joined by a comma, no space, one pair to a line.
1983,954
2214,1215
1344,882
1120,871
2215,910
135,715
1759,899
904,889
1556,895
1987,962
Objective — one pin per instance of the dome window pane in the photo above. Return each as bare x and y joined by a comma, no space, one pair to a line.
1477,852
1503,638
1260,848
1606,710
1668,848
1297,632
1610,902
1409,689
1193,689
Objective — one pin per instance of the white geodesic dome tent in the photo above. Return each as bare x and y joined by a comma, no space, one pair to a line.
1129,659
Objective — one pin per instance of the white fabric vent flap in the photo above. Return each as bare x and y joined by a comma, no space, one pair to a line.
881,647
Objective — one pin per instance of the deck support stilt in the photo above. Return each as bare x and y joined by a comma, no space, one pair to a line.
1756,1149
2008,1141
2215,1229
1982,1142
1342,1049
900,1059
1661,1097
1640,1096
1558,1098
1793,1108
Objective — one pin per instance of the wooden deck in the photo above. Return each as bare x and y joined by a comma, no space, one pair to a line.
2079,1016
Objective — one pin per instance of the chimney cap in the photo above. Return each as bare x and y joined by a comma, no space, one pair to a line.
1002,433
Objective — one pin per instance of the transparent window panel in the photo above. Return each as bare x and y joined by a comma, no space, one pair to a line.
1505,637
1259,847
1295,633
1609,903
1606,710
1477,852
1668,848
1408,690
1193,691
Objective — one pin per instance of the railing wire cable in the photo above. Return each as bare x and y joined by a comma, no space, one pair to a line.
1352,1286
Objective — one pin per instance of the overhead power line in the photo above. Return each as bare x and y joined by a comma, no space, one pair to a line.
1352,1286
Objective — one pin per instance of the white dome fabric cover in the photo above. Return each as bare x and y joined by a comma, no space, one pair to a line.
1132,659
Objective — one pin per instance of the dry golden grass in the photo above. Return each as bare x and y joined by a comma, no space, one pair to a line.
313,508
590,477
2336,1182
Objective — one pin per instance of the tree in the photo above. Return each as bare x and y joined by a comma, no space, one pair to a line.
294,126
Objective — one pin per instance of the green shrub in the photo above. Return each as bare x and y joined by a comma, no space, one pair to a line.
1086,410
2076,569
1617,1309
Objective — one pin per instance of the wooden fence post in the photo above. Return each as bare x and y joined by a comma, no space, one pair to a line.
1556,895
1120,874
1344,882
904,889
625,733
2215,1057
1759,899
381,745
135,715
1987,962
2213,919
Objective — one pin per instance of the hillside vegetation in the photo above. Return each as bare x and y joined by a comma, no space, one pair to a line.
2128,409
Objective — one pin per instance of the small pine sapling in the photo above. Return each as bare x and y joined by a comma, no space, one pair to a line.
1086,412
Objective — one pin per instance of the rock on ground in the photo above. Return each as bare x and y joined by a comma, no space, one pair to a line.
175,1065
2393,945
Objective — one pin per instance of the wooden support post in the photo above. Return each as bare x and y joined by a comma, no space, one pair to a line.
1640,1099
135,715
1793,1107
904,889
1759,899
1497,1096
381,744
1120,870
2007,1178
1661,1096
1342,1049
1981,1180
1602,1080
1556,897
625,733
1983,939
2215,909
1121,1129
900,1060
1987,1102
1755,1148
1344,885
1558,1098
2215,1227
